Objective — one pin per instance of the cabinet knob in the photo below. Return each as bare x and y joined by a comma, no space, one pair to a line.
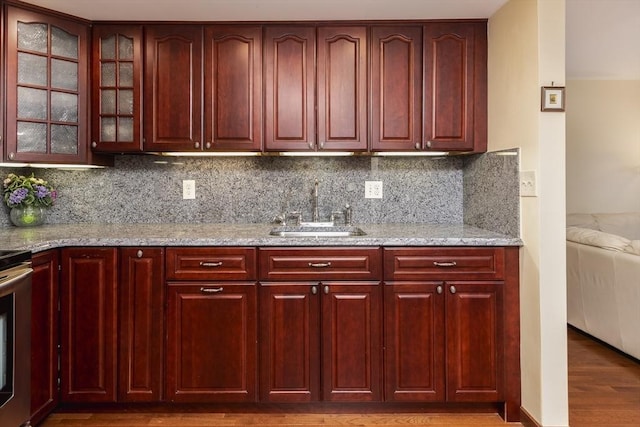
139,253
439,289
196,144
326,289
207,145
428,144
452,289
314,290
12,156
94,144
311,145
417,146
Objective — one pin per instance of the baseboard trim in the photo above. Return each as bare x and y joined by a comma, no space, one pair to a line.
527,420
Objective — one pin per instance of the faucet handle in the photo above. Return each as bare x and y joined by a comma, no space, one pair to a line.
280,219
338,214
348,214
296,215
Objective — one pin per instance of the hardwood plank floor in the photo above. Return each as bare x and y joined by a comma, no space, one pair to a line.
604,390
604,386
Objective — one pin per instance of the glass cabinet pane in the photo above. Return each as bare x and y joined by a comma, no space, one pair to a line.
34,37
32,103
125,48
32,69
125,129
63,44
108,47
64,107
64,74
32,137
108,129
126,74
125,101
64,139
108,74
107,101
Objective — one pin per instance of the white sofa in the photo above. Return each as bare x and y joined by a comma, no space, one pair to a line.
603,277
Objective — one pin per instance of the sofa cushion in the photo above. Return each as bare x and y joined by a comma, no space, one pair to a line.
633,247
597,238
623,224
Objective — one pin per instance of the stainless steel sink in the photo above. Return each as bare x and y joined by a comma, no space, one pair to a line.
320,231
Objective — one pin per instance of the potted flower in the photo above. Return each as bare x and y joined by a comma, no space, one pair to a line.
27,197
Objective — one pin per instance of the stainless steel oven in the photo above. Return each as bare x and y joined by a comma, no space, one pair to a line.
15,338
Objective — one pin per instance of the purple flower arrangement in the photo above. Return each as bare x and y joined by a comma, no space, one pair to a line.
23,191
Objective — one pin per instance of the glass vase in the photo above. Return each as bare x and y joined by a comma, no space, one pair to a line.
28,216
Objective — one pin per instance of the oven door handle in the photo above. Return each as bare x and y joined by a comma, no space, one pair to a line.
12,278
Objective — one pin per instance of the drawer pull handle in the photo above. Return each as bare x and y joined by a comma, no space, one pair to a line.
320,264
211,264
211,290
445,264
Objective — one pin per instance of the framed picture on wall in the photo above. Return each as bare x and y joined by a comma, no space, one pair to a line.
552,98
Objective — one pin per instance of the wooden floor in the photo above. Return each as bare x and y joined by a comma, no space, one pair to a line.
604,390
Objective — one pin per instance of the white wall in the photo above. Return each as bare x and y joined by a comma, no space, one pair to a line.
526,51
603,146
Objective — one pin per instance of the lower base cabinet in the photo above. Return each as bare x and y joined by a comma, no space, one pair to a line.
212,342
44,335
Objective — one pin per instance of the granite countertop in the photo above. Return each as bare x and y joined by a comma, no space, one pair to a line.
53,236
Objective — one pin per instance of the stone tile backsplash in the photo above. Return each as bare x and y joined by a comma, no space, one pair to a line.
148,189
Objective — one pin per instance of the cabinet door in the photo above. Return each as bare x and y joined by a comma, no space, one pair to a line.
233,88
173,88
351,341
89,324
44,335
46,91
396,88
475,351
290,122
342,88
455,87
141,320
116,88
211,342
414,341
289,342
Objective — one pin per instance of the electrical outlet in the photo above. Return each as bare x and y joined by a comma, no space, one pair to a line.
188,189
528,184
373,189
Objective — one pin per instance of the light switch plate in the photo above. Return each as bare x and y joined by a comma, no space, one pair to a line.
188,189
528,184
373,189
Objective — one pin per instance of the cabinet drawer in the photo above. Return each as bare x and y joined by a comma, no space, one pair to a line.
443,263
201,263
320,264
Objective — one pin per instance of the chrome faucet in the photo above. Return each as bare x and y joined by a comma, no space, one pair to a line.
314,203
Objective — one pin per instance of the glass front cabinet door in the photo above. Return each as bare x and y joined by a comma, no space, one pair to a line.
116,88
46,103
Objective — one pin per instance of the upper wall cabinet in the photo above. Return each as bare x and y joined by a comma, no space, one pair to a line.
116,88
173,88
46,90
455,93
396,88
290,122
342,88
233,88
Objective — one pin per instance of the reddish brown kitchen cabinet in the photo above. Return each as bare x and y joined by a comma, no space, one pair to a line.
342,88
116,88
141,324
211,325
290,84
46,88
173,88
451,325
455,92
233,88
320,339
44,334
396,88
88,302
